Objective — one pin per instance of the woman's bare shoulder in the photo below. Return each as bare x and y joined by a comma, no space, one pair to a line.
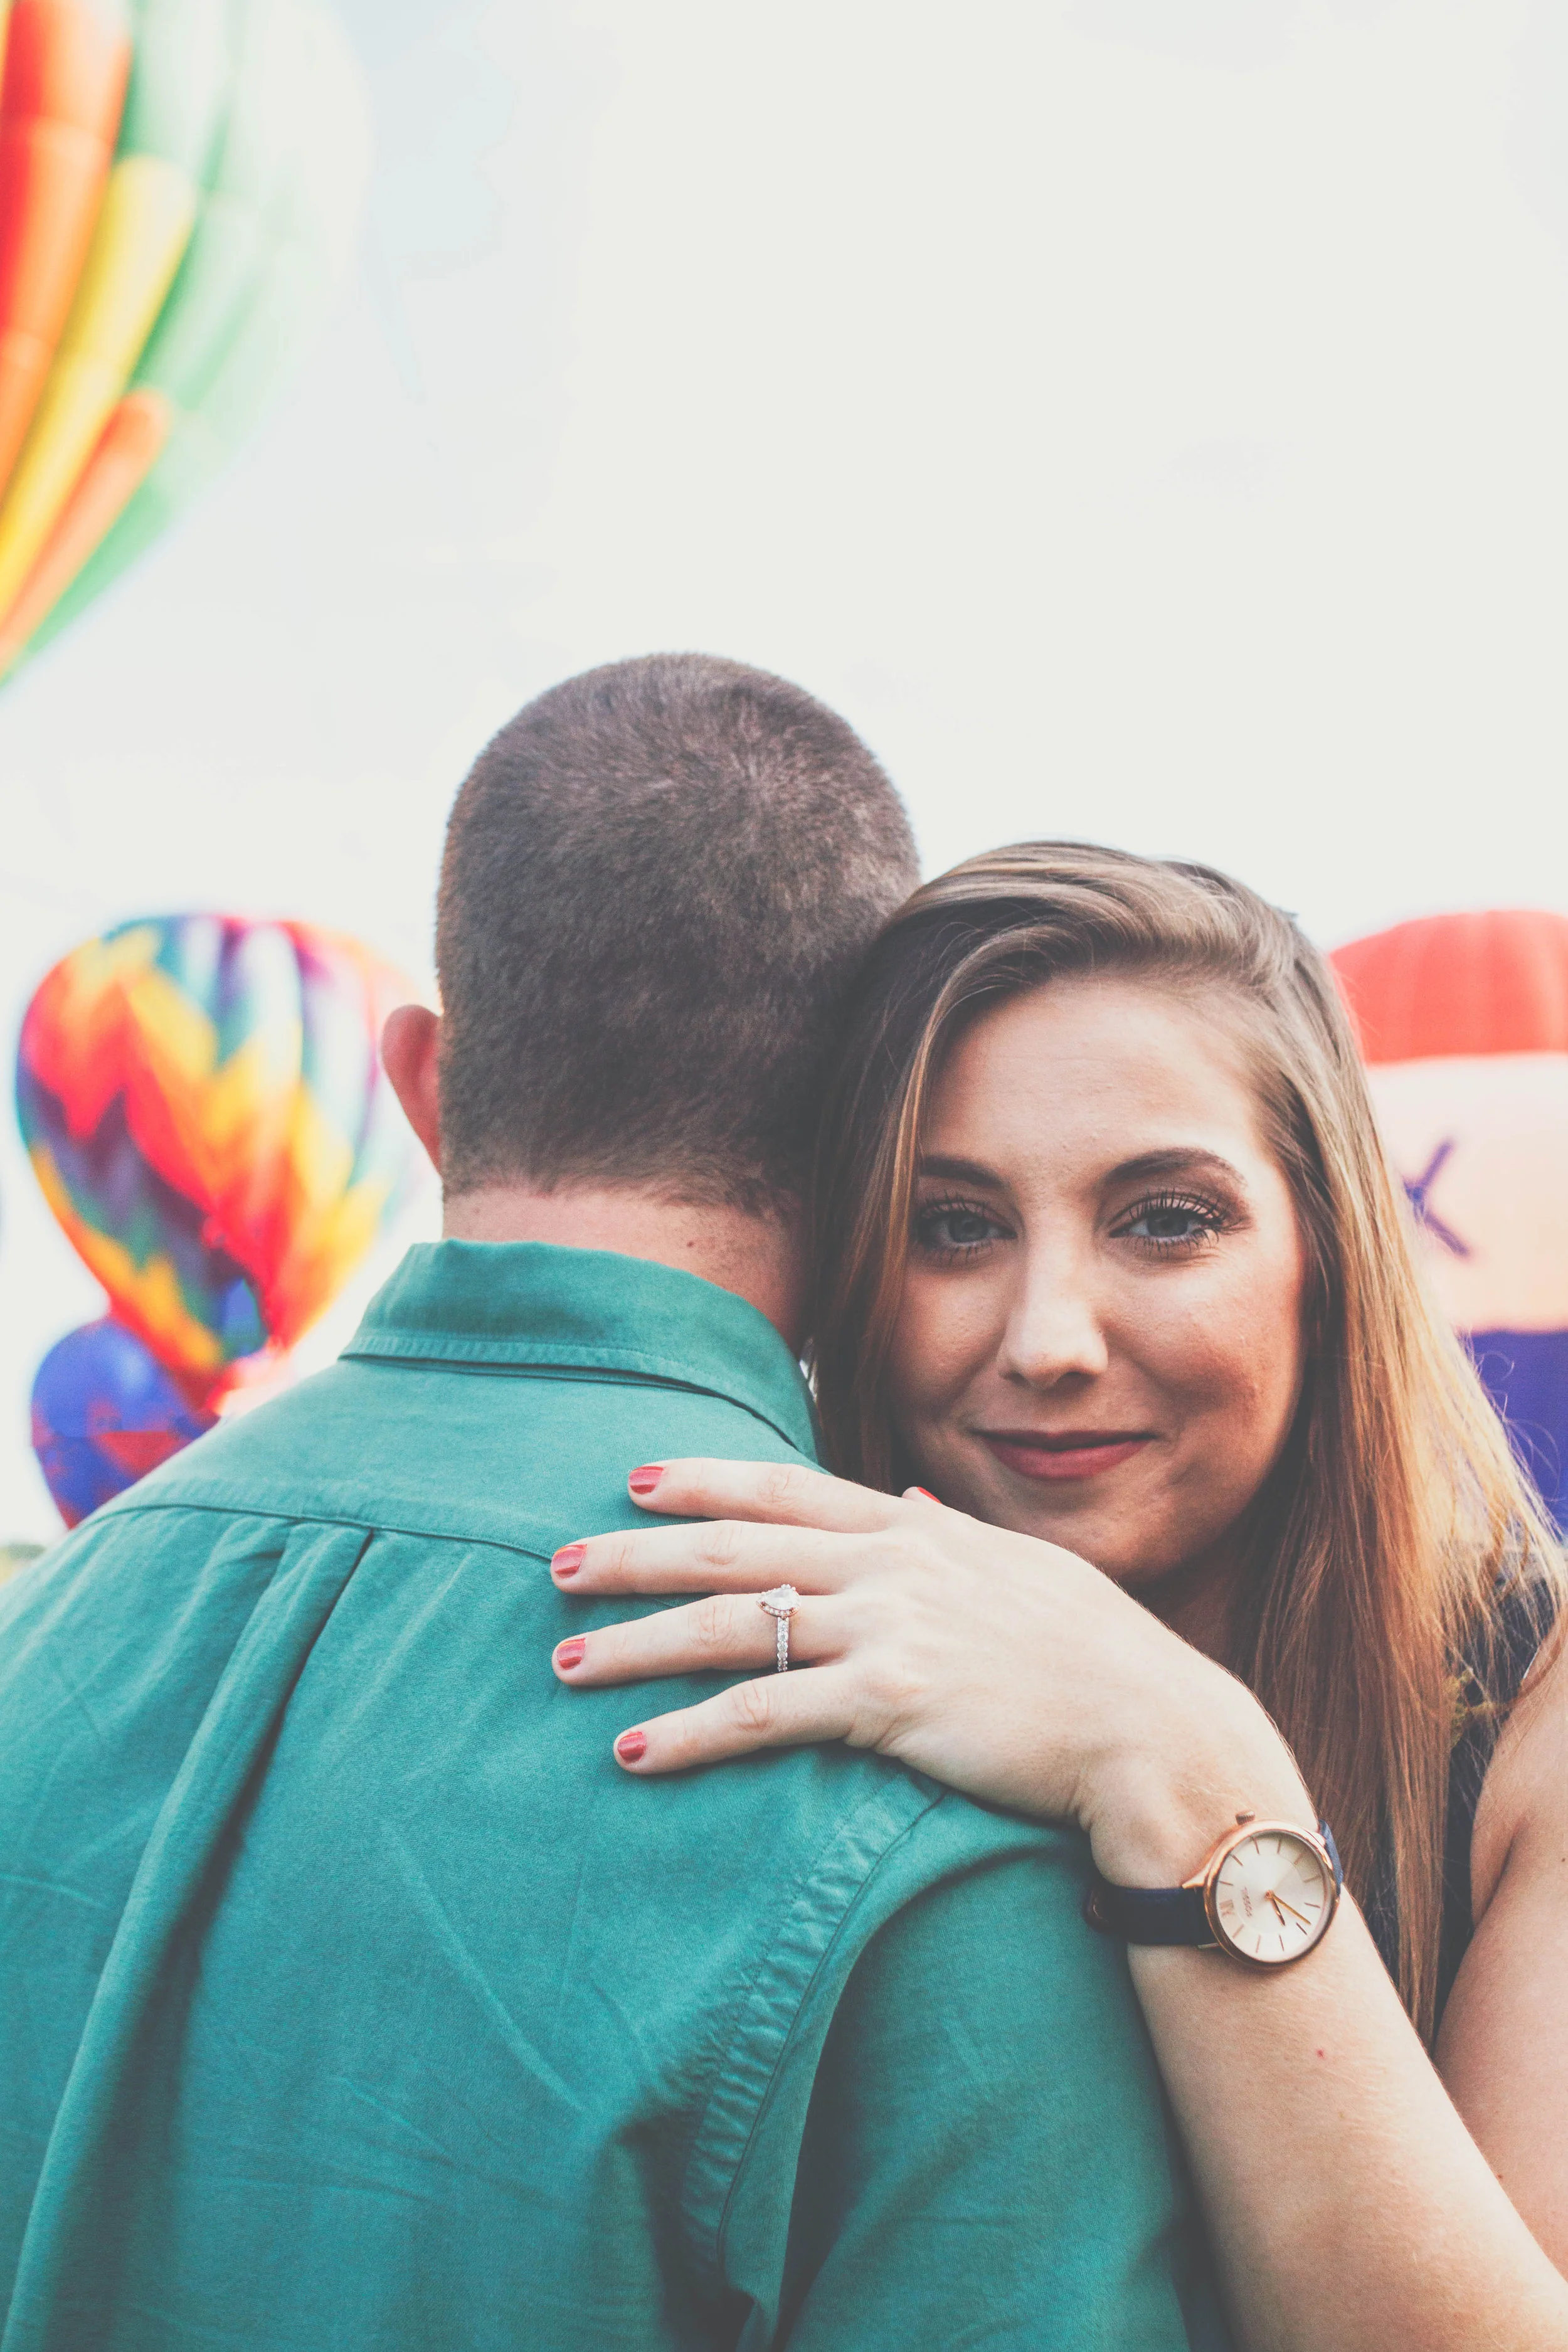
1503,2047
1520,1819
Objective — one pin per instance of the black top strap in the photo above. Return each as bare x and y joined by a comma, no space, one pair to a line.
1490,1678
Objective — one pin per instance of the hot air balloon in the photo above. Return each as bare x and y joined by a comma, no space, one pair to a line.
1464,1025
206,1110
179,181
105,1413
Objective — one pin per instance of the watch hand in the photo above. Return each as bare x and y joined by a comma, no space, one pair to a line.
1281,1905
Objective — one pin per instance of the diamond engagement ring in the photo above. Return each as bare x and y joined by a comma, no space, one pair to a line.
781,1605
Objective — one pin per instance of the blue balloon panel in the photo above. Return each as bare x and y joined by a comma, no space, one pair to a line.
1526,1376
104,1413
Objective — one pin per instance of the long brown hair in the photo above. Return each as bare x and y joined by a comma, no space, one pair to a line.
1396,1515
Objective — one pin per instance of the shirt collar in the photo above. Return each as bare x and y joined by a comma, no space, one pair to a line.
534,1307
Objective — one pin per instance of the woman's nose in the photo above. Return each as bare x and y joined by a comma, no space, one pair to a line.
1053,1333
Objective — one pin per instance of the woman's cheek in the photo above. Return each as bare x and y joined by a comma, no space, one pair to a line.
945,1333
1234,1358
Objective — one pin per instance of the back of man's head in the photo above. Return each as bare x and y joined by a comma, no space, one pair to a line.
658,881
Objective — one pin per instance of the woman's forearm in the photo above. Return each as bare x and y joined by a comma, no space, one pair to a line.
1349,2207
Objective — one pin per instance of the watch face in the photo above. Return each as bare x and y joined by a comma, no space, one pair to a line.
1272,1896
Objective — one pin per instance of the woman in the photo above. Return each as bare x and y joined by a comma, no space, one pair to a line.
1115,1285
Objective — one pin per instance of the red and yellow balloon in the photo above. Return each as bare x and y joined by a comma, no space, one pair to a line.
179,181
202,1101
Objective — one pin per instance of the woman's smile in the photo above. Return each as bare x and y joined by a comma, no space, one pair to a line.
1064,1454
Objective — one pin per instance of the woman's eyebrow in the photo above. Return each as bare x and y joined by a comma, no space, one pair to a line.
959,1171
1178,1160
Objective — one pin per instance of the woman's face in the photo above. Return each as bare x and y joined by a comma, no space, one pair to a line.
1100,1340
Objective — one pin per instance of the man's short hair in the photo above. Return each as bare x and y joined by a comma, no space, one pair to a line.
658,881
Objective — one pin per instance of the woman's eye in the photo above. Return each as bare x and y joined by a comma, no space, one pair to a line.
1170,1225
951,1229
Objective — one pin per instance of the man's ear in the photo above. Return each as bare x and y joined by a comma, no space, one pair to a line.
411,1057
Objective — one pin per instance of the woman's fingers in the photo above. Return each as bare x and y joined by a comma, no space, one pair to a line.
778,1711
782,1494
714,1555
726,1633
760,1523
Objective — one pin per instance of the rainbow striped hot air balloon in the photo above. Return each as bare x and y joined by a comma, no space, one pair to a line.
1464,1025
179,181
205,1107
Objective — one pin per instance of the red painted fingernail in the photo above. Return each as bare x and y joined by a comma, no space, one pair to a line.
630,1745
570,1653
927,1493
568,1560
643,1481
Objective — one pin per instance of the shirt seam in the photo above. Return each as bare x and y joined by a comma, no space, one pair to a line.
769,2010
321,1519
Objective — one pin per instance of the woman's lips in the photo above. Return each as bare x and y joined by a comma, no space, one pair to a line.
1080,1454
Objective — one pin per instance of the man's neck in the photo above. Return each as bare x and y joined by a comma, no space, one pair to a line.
761,1259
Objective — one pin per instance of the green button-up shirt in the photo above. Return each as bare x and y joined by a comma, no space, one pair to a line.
351,1997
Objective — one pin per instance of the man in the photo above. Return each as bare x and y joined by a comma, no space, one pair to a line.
350,1995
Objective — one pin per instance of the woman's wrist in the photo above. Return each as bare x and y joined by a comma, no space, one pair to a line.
1166,1799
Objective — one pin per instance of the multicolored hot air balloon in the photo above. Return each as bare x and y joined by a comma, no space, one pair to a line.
203,1104
104,1413
179,181
1464,1024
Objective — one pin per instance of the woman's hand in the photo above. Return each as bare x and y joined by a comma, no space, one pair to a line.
1325,2147
1006,1666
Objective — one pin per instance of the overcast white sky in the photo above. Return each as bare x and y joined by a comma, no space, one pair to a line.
1144,418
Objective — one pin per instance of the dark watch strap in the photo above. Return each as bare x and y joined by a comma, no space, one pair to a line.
1165,1915
1148,1915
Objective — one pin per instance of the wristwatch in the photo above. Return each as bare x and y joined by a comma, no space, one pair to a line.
1265,1896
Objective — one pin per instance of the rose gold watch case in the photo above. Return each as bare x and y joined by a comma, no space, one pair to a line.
1205,1878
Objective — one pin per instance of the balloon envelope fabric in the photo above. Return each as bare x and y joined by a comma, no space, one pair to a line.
179,183
104,1413
1464,1025
204,1107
